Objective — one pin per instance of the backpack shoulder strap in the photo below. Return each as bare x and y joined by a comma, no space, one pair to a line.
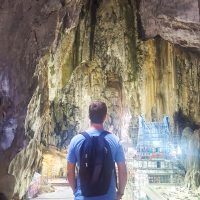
104,133
85,134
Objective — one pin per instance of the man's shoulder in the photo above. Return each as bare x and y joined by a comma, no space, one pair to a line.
77,138
112,137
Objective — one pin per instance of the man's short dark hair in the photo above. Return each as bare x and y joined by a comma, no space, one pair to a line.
97,112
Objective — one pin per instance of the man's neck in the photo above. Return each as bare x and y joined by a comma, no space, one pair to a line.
97,126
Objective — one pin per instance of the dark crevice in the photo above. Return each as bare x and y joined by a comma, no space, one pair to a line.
182,121
76,45
83,15
141,31
62,3
90,8
94,5
159,64
199,9
65,23
131,34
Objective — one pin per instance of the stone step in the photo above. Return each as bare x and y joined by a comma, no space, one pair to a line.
60,184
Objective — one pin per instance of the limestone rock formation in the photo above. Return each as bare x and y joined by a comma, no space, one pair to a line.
185,141
191,151
57,56
27,29
175,21
54,163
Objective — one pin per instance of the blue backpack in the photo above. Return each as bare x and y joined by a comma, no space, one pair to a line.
96,165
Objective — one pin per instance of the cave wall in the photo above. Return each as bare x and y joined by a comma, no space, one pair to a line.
27,29
175,21
190,143
58,56
104,52
153,77
171,81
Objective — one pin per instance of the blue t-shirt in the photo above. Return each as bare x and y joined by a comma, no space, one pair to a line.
73,157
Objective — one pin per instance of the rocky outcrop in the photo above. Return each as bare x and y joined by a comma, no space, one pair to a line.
175,21
57,56
190,152
50,157
27,30
185,140
102,67
177,72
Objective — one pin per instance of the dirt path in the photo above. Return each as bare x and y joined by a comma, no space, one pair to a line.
62,191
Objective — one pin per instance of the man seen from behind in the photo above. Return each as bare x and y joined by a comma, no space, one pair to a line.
97,116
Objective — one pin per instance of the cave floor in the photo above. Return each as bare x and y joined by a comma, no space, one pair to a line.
175,192
62,191
168,192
